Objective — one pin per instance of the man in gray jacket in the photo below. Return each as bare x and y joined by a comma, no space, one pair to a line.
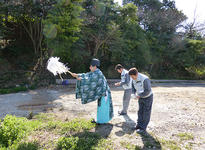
142,87
126,84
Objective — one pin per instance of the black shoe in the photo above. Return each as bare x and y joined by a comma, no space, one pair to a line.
93,121
136,128
122,113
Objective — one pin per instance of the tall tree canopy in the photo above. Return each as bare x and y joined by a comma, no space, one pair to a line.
141,33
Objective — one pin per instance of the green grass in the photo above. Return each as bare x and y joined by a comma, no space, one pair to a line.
68,143
130,146
26,146
150,144
104,144
188,146
76,125
49,122
150,141
185,136
12,90
178,144
15,89
84,141
169,144
44,117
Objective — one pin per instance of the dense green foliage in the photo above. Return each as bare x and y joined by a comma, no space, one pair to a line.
60,27
13,129
12,90
141,33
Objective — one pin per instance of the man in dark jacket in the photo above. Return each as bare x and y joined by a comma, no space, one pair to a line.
142,88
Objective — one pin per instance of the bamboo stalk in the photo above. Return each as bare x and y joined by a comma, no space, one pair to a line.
60,77
70,72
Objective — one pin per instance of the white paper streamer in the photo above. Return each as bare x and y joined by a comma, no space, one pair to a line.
56,67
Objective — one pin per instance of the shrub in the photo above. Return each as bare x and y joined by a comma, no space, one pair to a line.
13,90
13,129
67,143
197,72
23,146
85,141
28,146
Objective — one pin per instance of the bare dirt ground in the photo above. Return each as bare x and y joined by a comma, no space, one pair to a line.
178,111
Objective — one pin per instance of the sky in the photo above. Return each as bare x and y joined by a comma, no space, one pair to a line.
188,7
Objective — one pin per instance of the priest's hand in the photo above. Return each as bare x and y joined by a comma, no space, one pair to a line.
75,75
79,78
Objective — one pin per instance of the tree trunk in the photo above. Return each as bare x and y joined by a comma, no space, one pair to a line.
34,30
